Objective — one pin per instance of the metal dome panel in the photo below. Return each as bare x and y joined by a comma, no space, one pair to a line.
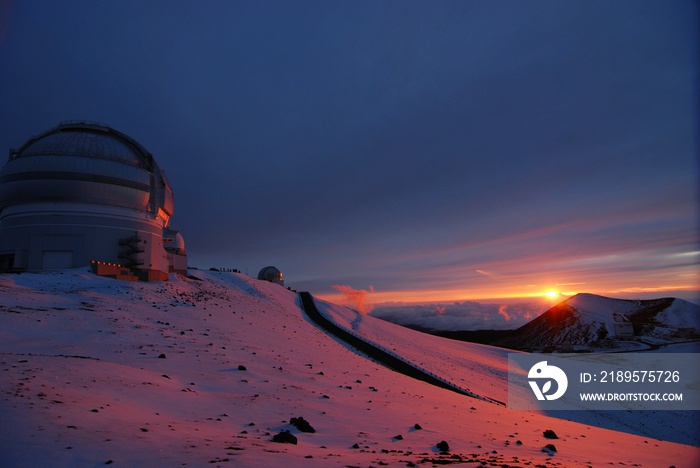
81,162
83,143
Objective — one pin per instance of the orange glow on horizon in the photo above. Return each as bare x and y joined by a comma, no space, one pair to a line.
443,295
375,297
532,282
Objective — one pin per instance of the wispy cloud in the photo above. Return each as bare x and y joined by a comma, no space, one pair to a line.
356,297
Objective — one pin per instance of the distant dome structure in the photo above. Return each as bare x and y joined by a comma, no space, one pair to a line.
84,193
271,274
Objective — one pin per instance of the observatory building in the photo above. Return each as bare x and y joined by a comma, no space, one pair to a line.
271,274
83,193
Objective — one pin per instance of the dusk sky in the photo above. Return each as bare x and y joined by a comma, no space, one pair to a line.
431,150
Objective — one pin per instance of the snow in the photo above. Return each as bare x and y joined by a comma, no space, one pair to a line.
599,309
83,385
455,361
678,315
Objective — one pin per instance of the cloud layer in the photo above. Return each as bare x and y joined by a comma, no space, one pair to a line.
465,315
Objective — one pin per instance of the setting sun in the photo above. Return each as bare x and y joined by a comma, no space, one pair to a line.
552,294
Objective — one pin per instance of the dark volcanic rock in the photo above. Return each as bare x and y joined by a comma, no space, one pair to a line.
242,367
302,424
550,449
550,434
443,446
285,437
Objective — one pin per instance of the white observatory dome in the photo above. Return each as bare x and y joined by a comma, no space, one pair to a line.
86,163
271,274
83,192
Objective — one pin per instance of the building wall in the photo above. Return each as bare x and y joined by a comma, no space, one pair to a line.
46,237
178,262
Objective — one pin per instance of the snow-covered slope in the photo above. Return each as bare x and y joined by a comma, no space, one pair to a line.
482,370
95,371
589,321
479,369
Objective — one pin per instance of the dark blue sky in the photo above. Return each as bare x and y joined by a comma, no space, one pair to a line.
454,149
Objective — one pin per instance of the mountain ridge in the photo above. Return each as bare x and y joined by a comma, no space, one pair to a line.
590,322
598,322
